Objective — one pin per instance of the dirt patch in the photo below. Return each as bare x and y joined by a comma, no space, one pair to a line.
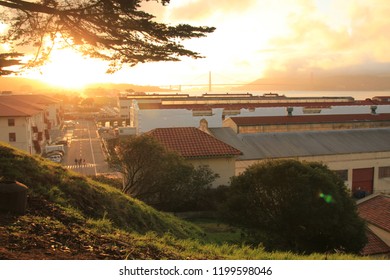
47,232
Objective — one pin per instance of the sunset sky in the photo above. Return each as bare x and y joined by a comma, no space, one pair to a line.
254,39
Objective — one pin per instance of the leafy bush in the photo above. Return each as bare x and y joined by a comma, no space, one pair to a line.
289,205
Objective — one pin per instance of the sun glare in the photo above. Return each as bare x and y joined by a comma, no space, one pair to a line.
68,69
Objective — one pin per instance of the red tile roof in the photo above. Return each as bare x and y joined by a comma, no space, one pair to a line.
191,142
376,211
23,105
309,119
375,245
20,110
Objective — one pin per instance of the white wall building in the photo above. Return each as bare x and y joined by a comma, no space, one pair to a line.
26,120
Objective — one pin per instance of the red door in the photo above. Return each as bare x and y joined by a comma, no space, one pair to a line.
363,180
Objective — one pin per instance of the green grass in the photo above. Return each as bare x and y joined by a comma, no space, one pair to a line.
216,232
91,199
102,217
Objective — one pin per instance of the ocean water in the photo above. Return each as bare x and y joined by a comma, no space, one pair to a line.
358,95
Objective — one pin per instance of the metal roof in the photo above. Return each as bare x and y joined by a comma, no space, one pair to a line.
282,120
307,143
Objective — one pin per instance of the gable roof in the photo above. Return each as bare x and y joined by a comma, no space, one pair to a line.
13,110
376,211
374,245
191,142
23,105
302,119
259,146
30,99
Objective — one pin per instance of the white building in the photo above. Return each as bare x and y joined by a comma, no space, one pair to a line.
150,111
26,120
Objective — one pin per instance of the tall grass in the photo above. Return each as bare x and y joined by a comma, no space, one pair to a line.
91,199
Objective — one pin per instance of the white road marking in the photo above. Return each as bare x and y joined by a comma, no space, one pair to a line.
90,143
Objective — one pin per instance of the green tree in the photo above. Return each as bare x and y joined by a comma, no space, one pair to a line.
187,191
289,205
160,177
8,60
118,31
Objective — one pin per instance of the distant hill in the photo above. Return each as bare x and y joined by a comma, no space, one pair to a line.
322,83
24,85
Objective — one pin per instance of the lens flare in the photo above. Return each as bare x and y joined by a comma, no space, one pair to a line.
327,198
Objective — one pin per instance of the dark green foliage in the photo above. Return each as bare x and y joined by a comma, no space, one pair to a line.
160,177
187,191
289,205
8,60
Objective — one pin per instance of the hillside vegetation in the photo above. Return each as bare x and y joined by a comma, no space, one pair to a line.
70,216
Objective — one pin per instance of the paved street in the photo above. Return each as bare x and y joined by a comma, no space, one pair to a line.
84,153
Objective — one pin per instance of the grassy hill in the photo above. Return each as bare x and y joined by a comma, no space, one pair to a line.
70,216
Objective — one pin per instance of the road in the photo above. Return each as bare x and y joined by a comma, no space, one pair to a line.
85,147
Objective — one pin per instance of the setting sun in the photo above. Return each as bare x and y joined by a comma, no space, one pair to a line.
68,69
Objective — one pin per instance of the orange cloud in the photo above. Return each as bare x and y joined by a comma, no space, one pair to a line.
201,9
318,42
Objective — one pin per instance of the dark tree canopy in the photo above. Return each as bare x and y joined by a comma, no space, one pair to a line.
160,177
302,207
114,30
7,60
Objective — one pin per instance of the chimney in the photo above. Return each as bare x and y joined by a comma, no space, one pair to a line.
289,111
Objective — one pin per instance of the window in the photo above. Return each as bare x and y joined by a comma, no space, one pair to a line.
11,122
343,174
12,137
384,172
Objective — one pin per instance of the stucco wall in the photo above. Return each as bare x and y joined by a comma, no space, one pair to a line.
225,167
303,127
22,129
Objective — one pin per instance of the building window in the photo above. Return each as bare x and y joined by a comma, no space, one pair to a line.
343,174
11,122
12,137
384,172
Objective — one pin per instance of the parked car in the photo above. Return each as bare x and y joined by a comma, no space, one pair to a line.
53,153
55,158
63,141
50,148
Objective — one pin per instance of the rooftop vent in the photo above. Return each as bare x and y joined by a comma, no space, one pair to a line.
289,111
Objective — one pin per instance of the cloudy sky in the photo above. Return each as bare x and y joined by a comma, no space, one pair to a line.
265,38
